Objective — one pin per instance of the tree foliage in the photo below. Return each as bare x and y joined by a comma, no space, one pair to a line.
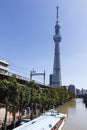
31,94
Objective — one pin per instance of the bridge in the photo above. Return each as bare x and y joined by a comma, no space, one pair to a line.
20,79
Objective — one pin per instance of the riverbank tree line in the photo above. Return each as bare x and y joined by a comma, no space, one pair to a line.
85,99
32,95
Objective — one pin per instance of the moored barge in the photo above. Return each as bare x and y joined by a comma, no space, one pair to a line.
50,120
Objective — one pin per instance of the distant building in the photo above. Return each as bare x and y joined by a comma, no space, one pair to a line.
72,89
4,67
78,92
83,91
50,80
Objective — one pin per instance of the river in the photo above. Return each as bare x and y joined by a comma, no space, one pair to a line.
77,115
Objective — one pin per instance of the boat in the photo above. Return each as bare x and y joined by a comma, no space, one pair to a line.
50,120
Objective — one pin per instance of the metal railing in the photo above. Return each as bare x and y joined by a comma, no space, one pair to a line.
22,78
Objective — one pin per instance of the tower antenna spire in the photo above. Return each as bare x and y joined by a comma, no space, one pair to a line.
57,13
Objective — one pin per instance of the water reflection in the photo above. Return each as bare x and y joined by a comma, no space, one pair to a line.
67,106
76,111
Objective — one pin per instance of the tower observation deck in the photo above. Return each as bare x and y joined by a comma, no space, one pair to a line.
56,76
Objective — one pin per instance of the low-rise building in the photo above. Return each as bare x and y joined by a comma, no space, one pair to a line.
4,67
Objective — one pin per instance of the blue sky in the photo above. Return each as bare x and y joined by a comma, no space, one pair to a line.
26,38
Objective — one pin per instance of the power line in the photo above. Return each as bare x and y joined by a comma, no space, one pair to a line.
23,72
11,64
18,67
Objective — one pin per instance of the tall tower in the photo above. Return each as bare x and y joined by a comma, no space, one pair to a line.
56,76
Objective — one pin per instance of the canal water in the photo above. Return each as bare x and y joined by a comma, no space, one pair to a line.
77,115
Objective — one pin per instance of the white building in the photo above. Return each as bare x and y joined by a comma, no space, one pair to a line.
4,67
